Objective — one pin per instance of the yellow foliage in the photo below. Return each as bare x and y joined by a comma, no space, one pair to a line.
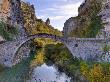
96,74
39,59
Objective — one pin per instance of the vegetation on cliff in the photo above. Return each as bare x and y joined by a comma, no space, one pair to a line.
34,25
7,31
89,23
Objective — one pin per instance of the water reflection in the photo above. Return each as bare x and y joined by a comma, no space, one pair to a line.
46,73
33,69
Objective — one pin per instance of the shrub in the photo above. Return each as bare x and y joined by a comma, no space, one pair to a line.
7,31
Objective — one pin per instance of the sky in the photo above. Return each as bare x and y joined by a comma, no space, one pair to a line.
58,11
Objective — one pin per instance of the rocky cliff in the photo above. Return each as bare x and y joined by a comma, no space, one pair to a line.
11,15
32,24
87,23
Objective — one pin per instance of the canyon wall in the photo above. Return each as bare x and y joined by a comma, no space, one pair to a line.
11,14
5,9
10,11
87,24
32,24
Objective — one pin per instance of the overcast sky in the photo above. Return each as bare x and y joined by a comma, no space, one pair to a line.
57,10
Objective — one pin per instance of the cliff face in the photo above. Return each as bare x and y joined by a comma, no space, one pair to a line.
69,25
29,18
10,11
4,8
34,25
105,17
11,19
87,23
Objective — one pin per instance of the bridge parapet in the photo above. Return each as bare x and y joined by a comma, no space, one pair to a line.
89,39
44,35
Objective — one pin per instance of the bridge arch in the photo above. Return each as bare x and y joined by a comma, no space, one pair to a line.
39,35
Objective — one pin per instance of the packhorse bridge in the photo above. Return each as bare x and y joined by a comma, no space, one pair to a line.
84,48
96,49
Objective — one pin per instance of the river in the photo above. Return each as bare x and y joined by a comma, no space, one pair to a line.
33,70
45,73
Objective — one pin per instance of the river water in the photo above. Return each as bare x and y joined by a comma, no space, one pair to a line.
26,72
45,73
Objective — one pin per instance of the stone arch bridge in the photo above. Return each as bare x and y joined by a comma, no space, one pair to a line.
84,48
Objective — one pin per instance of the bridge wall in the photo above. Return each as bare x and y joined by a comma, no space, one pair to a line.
89,49
8,50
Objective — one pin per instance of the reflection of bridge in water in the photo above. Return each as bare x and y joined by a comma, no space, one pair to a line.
85,48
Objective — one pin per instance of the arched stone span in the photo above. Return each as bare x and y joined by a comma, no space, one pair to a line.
8,50
39,35
44,35
28,38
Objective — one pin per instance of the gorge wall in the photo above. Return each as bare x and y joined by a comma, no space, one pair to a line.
32,24
11,14
87,24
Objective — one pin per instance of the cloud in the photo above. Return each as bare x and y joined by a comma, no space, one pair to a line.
57,10
67,9
44,17
60,13
56,17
